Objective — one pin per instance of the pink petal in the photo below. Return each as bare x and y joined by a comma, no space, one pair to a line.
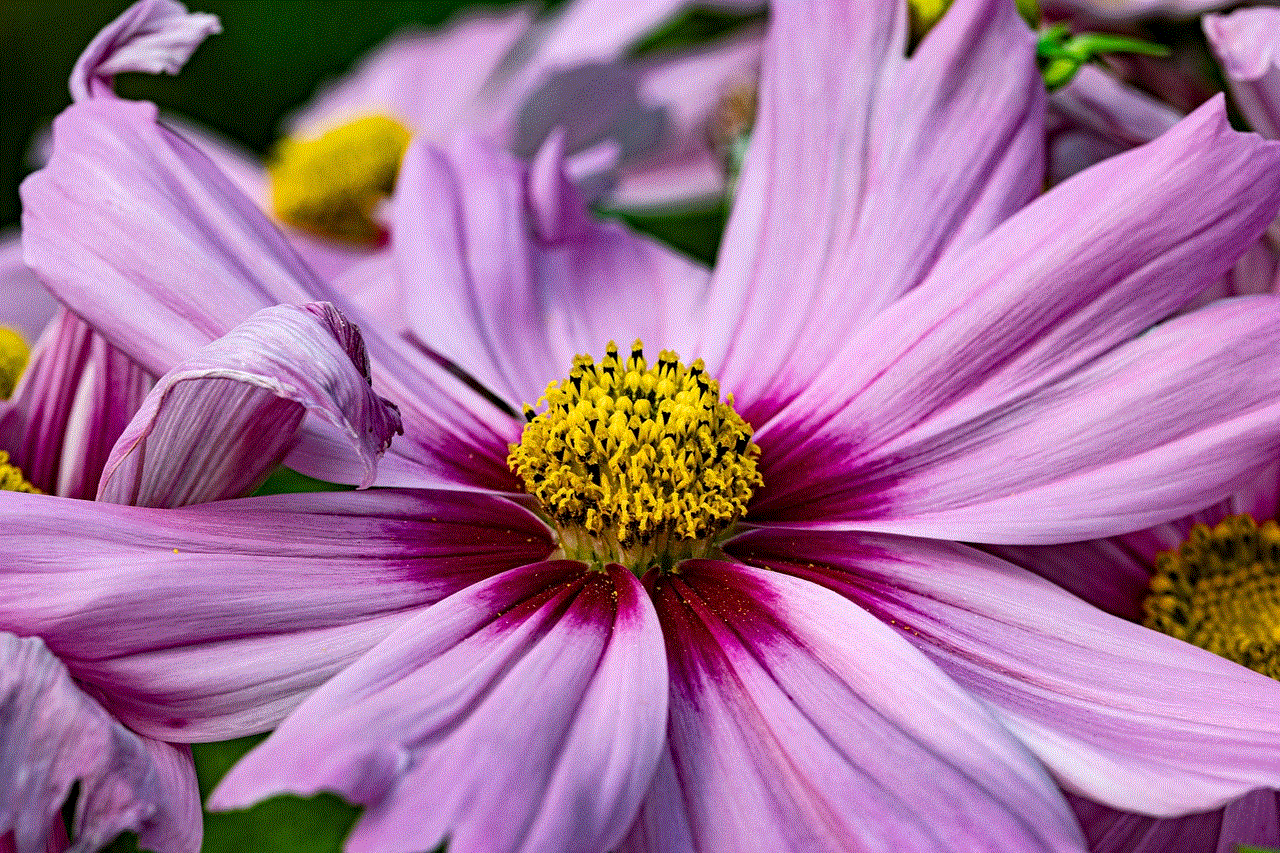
525,713
213,621
852,191
169,255
28,306
392,79
73,401
215,426
504,275
1247,43
786,736
1119,713
1254,819
151,36
984,365
52,735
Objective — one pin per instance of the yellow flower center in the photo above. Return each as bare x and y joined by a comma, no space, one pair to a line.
13,360
637,465
1221,591
11,479
331,185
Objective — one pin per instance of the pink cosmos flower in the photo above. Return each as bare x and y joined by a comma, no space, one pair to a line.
925,354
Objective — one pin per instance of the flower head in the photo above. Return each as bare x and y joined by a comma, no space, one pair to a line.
922,354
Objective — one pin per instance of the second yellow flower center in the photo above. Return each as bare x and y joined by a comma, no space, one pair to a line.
332,185
634,464
1221,591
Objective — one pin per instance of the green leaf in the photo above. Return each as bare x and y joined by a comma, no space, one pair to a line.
286,480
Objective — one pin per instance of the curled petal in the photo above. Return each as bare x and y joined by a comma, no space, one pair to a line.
151,36
215,426
52,735
523,714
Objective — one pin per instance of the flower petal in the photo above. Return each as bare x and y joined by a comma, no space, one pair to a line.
151,36
215,426
73,401
983,364
157,225
852,188
504,275
52,735
1254,819
213,621
169,255
28,306
1097,113
1119,713
685,169
1247,43
785,736
391,81
525,713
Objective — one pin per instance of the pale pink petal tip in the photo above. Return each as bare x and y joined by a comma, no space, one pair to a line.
216,425
53,735
151,36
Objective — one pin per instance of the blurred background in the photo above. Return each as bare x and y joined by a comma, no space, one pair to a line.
267,61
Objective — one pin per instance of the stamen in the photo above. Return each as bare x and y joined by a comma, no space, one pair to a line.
14,355
1221,591
634,464
331,185
11,479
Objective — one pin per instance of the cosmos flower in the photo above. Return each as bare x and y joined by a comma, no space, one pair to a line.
649,131
713,600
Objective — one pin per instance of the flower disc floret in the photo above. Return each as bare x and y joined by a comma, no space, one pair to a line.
635,464
1221,591
331,185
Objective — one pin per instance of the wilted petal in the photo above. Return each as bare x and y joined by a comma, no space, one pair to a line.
1247,43
73,401
1117,712
53,735
216,425
215,620
525,713
865,168
151,36
800,724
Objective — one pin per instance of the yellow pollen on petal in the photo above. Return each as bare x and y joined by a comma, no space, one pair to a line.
634,464
14,355
11,479
331,185
1221,591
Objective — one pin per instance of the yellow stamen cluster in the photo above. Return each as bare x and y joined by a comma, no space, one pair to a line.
13,360
332,184
634,464
11,479
1221,591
